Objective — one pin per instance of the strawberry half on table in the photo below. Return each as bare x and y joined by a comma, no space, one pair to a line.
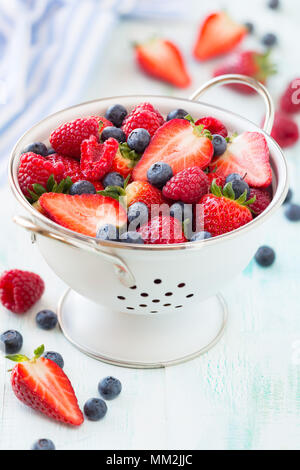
218,35
42,385
163,60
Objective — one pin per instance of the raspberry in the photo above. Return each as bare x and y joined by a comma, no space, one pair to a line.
149,107
96,159
162,230
213,125
262,201
71,167
188,185
20,290
290,100
36,169
141,118
285,131
67,138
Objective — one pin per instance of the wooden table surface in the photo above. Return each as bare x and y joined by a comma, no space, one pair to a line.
244,393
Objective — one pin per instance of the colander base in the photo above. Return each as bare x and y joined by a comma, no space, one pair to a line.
141,341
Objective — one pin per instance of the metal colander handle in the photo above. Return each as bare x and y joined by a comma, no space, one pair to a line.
243,80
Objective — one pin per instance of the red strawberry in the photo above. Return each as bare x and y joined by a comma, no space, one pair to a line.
162,59
35,169
285,131
247,154
213,125
261,202
105,122
179,143
290,100
43,386
96,158
125,160
139,191
162,230
142,118
20,290
251,63
218,34
219,180
83,213
67,138
187,186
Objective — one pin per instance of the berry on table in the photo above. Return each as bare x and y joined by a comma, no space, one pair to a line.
269,39
159,174
131,237
95,409
249,26
265,256
82,187
219,144
137,213
200,236
187,186
20,290
138,140
46,319
114,132
36,147
113,179
55,357
288,196
290,99
177,114
116,114
11,341
108,232
285,130
292,212
238,184
273,4
43,444
109,388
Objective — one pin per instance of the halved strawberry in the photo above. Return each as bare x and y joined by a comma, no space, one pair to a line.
247,155
142,191
125,160
179,143
163,60
83,213
41,384
218,34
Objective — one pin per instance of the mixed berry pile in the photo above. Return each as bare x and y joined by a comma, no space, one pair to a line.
138,177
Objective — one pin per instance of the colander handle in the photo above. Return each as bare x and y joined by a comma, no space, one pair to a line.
122,271
243,80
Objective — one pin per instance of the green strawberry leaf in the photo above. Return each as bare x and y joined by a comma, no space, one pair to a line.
38,189
228,191
34,197
50,183
128,153
39,351
17,358
188,117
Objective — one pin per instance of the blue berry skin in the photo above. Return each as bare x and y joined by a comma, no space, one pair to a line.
116,114
288,196
108,232
131,237
219,144
43,444
36,147
159,174
109,388
292,212
200,236
113,179
177,114
265,256
82,187
181,211
274,4
250,27
137,215
239,186
46,319
11,341
269,39
138,140
55,357
114,132
50,151
95,409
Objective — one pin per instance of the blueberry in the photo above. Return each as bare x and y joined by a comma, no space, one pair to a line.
239,186
82,187
292,212
269,39
109,388
181,211
55,357
116,114
219,144
50,151
131,237
11,341
137,215
177,114
232,177
274,4
288,196
138,140
43,444
95,409
265,256
37,147
113,179
250,27
159,174
200,236
114,132
46,319
107,232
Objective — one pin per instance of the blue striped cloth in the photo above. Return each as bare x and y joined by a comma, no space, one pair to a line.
47,51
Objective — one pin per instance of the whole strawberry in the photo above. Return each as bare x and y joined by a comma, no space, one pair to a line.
285,131
290,100
105,122
142,116
213,125
125,160
219,180
96,158
162,230
20,290
67,138
263,199
188,185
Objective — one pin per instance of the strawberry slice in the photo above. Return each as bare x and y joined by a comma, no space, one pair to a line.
179,143
41,384
83,213
248,154
163,60
218,34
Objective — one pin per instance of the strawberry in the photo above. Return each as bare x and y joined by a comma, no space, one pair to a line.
125,160
251,63
67,138
162,229
285,130
43,386
163,60
247,154
179,143
213,125
290,100
96,158
142,191
20,290
105,122
187,186
262,200
219,180
83,213
141,117
218,34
